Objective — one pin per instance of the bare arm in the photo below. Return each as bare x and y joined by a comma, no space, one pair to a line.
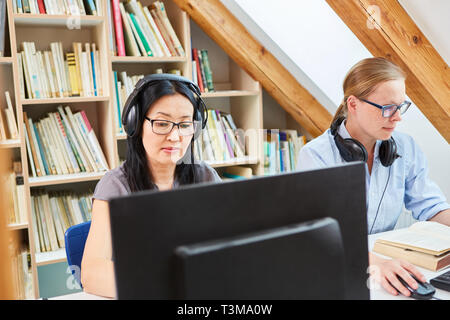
97,267
442,217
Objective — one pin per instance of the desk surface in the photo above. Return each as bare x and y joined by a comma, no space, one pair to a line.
375,293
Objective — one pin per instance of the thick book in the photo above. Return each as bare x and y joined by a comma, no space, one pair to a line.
425,243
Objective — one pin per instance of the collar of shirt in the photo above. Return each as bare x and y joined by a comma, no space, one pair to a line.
342,131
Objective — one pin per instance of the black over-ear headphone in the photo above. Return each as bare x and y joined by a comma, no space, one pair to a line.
131,112
353,150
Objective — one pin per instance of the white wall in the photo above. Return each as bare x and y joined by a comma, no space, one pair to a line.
313,43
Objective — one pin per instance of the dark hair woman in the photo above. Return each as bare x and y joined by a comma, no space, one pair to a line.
159,156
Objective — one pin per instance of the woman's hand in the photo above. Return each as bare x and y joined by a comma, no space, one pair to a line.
385,272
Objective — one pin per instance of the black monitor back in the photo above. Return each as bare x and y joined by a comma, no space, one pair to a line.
148,227
291,262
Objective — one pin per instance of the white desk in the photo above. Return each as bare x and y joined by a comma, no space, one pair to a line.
375,294
381,294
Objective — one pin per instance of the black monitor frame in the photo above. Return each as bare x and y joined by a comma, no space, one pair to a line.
147,227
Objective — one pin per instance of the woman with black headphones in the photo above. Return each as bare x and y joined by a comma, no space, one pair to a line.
162,117
396,168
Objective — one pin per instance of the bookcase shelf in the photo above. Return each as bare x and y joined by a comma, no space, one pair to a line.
64,100
10,144
234,162
45,258
6,60
17,226
117,59
230,93
65,179
27,19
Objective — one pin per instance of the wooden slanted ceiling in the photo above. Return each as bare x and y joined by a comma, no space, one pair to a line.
250,55
396,37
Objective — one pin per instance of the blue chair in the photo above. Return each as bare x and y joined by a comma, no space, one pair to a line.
75,239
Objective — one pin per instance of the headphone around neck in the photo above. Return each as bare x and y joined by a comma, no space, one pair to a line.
131,114
353,150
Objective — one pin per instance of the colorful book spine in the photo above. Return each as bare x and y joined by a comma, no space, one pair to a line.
208,72
141,35
119,115
41,6
93,62
41,150
118,28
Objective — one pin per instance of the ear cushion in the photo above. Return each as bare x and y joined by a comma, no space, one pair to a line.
350,149
388,152
131,118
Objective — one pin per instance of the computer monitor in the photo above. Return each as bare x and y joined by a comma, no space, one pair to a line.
156,236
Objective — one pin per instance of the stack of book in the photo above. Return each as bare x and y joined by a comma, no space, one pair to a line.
53,213
62,143
8,124
21,272
201,70
425,244
281,148
142,31
62,7
18,213
220,141
123,86
48,75
2,27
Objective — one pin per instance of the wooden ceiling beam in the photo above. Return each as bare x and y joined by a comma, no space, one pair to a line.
386,30
226,30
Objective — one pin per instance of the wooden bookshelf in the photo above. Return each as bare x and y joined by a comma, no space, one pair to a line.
44,258
45,20
236,93
6,60
10,144
17,226
65,179
141,60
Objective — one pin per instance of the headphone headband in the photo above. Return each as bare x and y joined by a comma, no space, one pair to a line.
353,150
130,116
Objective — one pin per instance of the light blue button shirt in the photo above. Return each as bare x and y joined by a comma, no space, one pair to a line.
408,182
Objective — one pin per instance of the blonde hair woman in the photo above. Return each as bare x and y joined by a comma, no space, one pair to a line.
363,129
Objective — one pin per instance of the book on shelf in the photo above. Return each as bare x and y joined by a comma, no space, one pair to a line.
62,143
218,141
10,118
53,213
17,188
22,277
201,70
425,244
138,30
281,148
2,27
58,7
237,172
48,75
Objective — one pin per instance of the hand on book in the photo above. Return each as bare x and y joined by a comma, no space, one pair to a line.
385,272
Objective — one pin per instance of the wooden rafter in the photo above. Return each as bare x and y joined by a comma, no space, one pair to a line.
224,28
386,30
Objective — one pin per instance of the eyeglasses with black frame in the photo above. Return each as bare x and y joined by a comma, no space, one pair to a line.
162,127
389,110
